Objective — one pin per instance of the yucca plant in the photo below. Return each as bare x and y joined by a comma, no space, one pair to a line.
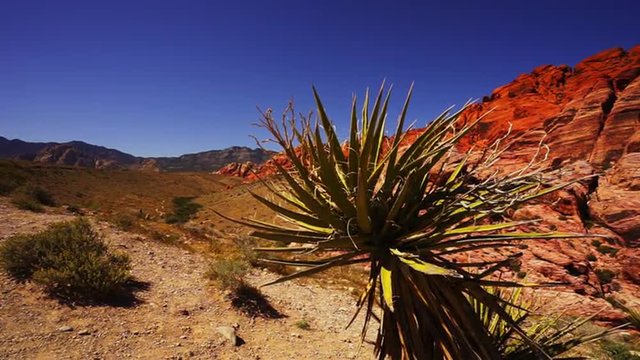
415,213
556,334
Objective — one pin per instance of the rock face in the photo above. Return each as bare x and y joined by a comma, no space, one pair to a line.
589,116
616,201
588,112
214,159
591,113
78,153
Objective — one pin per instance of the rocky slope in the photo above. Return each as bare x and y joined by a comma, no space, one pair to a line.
213,160
589,116
78,153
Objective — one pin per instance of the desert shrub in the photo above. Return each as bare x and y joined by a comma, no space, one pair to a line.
596,242
183,210
619,350
32,198
124,222
42,196
303,324
228,273
554,335
607,250
591,257
605,276
11,177
245,245
70,260
23,202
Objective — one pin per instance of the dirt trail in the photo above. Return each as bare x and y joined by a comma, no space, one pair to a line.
178,316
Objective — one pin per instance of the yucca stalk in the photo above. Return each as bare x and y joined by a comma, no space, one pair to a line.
408,212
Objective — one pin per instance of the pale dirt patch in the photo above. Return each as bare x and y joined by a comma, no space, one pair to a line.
178,315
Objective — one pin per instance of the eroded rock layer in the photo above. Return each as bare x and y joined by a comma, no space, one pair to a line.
589,116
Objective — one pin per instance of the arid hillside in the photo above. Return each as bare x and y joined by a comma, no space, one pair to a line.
81,154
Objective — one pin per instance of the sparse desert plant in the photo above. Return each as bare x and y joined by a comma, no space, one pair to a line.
555,335
32,198
605,276
228,273
303,324
23,202
11,177
124,222
42,196
619,351
246,245
183,210
412,215
607,250
69,260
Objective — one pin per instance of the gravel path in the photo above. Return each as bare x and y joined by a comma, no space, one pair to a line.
178,315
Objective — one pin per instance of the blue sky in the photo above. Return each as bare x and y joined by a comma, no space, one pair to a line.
156,78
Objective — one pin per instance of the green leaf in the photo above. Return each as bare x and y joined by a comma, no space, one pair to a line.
424,267
387,288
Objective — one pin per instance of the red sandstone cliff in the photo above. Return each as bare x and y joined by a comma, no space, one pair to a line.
590,117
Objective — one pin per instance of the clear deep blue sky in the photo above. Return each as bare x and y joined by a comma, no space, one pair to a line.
170,77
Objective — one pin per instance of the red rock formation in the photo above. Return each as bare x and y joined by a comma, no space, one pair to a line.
243,170
589,115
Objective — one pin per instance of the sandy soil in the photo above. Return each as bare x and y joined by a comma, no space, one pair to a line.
178,314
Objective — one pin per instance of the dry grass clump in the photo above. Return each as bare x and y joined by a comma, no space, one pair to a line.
229,274
32,198
70,261
184,209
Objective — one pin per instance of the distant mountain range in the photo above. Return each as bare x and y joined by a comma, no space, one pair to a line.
78,153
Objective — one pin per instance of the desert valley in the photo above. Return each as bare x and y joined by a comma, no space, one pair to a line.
187,259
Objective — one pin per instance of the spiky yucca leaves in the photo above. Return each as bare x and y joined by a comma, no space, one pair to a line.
406,213
632,312
555,335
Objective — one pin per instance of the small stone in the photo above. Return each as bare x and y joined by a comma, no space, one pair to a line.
296,335
183,337
65,328
229,333
84,332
